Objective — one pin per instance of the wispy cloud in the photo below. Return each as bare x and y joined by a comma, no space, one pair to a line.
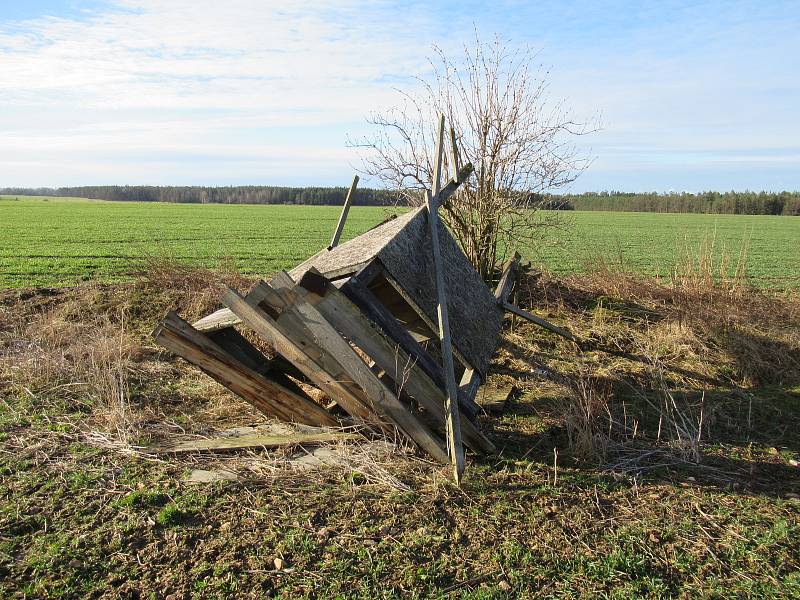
146,91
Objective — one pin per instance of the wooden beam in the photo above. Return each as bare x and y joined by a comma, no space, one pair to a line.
452,419
539,321
221,319
507,279
253,440
451,187
468,388
384,401
276,368
454,153
345,316
343,216
436,184
271,398
358,292
291,341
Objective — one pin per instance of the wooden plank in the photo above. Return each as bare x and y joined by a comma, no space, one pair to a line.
383,400
454,153
345,316
343,216
276,368
268,396
254,440
467,389
451,187
291,341
358,292
539,321
452,419
507,279
221,319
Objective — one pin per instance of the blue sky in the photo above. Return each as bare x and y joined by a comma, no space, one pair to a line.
691,96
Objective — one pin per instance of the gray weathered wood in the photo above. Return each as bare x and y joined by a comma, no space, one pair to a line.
467,388
403,248
271,398
539,321
384,401
452,419
343,216
507,279
455,166
221,319
276,368
253,440
294,343
407,374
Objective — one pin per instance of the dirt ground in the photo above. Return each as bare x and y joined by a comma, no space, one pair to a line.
657,458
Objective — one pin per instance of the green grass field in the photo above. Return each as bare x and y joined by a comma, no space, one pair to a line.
62,241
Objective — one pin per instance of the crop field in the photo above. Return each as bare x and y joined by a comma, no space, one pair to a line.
62,241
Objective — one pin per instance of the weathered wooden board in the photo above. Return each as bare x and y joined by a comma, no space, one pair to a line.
268,396
404,371
384,402
403,248
252,440
294,342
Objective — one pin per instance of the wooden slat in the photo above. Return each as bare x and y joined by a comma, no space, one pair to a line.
221,319
539,321
268,396
343,216
253,440
385,402
452,419
467,389
276,368
507,280
345,316
291,341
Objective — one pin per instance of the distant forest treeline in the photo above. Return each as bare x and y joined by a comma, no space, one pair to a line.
243,194
739,203
733,203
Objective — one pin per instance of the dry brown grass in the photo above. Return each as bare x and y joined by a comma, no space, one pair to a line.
653,347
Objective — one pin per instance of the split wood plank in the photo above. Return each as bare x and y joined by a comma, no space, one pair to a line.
276,368
268,396
345,316
539,321
507,280
452,419
254,440
292,341
385,402
468,388
343,216
221,319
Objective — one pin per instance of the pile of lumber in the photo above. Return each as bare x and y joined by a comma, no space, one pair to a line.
384,326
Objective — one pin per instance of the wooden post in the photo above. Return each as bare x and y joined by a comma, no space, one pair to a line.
454,153
453,422
436,185
343,216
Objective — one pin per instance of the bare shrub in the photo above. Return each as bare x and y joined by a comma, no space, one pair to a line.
503,122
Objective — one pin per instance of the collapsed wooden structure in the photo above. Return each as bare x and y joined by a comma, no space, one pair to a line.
366,322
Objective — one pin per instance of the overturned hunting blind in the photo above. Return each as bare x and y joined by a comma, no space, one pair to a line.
383,324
